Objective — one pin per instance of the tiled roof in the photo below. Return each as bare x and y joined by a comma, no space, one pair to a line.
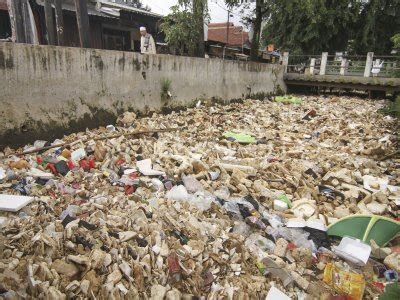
237,35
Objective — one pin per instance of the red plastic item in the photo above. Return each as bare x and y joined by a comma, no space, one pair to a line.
174,267
70,164
39,160
129,190
52,168
120,162
92,163
379,285
87,164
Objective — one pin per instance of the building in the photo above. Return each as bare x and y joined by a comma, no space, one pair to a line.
113,26
227,40
236,37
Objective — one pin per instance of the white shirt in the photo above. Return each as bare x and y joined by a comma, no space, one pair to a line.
147,44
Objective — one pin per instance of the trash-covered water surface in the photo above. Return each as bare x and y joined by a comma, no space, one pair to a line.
259,199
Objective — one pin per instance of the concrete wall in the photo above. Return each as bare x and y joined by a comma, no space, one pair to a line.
48,91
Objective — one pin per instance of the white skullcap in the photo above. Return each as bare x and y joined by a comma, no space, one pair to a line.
142,28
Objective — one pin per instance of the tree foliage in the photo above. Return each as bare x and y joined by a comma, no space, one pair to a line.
180,30
377,22
184,27
302,26
396,41
313,26
136,4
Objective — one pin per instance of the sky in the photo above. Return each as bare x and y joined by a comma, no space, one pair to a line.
217,9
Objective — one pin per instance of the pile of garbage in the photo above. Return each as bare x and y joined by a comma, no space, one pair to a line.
260,199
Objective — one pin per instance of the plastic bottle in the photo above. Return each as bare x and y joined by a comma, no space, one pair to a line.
391,275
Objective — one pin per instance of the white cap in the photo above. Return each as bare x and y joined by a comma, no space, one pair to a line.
142,28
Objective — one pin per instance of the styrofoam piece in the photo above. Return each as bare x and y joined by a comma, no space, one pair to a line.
2,174
129,171
77,155
145,167
353,250
2,221
280,205
316,224
300,223
13,203
370,181
276,294
39,174
296,223
111,128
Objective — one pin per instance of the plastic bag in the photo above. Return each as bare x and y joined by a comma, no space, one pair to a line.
202,200
263,243
241,228
191,184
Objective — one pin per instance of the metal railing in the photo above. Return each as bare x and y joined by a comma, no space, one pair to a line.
344,65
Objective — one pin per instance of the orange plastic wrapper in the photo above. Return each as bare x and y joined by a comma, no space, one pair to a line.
345,282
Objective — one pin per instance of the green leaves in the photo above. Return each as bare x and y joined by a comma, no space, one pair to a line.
396,41
314,26
181,29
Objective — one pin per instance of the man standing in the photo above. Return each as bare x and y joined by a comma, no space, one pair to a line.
147,45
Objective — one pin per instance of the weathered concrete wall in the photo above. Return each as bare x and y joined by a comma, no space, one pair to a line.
47,91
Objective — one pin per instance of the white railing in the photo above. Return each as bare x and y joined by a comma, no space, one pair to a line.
353,65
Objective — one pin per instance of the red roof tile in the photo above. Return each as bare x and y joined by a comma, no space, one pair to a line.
237,35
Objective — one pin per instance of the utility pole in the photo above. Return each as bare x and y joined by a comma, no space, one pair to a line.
83,22
227,34
59,22
242,40
48,11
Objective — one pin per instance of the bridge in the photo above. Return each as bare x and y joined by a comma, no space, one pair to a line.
368,73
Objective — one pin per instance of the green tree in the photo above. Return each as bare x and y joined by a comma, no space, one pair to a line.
313,26
255,20
396,41
310,26
184,27
377,22
180,30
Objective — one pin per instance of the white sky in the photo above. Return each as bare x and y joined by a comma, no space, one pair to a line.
216,9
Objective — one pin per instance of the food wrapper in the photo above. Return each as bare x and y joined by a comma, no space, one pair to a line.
349,283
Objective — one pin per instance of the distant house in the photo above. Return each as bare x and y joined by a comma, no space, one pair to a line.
236,37
226,39
113,26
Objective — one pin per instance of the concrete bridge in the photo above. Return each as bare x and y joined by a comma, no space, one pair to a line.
368,73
